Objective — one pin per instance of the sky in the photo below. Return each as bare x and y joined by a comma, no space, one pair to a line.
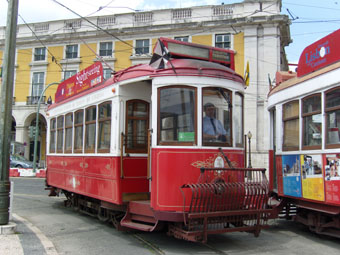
310,19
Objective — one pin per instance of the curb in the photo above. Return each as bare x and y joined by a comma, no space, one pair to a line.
27,172
46,243
8,229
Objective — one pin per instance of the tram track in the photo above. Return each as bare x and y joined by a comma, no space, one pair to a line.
155,249
149,245
217,251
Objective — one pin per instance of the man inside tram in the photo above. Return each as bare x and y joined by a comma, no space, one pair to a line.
213,129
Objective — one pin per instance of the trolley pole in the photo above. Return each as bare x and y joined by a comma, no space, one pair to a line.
6,108
37,127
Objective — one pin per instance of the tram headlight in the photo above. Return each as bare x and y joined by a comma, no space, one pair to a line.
219,162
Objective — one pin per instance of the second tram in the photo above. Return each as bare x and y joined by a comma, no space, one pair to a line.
305,122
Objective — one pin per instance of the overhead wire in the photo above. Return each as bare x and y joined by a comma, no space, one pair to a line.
98,27
54,59
192,34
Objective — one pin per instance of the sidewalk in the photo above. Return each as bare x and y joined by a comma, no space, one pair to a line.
25,239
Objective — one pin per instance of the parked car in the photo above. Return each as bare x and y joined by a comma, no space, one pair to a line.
18,161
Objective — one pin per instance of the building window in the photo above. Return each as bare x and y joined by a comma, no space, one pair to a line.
90,128
142,46
37,84
71,51
312,118
78,131
69,73
177,115
332,109
52,135
216,129
60,134
39,54
105,49
182,38
107,73
137,126
291,126
222,41
104,127
68,132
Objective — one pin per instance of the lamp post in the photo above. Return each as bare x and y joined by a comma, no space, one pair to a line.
249,173
6,100
37,127
249,135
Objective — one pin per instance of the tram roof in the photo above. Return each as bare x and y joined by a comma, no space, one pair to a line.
298,80
175,67
179,67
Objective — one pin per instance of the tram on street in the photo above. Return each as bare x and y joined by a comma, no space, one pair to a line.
158,146
304,109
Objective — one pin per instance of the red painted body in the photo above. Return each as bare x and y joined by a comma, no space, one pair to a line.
171,168
98,177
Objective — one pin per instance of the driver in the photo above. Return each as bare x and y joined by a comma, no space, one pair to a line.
213,129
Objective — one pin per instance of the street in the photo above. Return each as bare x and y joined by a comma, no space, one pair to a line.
74,233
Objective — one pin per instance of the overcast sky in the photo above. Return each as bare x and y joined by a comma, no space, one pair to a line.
311,19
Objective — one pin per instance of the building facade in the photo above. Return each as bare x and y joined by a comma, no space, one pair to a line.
52,51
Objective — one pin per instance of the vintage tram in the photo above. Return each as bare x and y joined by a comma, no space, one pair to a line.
153,147
305,121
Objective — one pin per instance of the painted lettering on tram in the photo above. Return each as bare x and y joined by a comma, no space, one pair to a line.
317,57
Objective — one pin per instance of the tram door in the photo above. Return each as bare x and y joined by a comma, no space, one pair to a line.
272,152
137,125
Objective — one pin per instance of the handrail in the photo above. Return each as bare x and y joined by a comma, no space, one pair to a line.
149,154
121,154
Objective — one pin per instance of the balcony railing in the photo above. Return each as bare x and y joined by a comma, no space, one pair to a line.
32,100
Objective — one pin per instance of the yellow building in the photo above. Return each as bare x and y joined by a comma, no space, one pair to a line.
51,51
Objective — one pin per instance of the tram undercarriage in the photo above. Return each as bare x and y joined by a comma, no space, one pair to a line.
215,207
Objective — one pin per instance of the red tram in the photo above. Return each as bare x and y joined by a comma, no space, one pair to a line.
305,154
158,147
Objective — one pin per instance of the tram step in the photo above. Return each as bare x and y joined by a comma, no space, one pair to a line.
139,215
137,225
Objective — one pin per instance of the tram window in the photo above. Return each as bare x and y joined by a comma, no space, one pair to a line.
68,132
177,116
216,117
104,127
60,134
238,119
78,131
332,110
52,135
291,126
90,128
137,126
312,122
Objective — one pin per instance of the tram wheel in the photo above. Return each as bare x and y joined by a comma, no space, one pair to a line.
75,202
115,218
102,214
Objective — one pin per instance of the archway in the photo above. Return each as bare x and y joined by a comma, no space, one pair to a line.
13,129
30,122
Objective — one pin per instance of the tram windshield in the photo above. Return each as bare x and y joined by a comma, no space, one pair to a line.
177,115
216,116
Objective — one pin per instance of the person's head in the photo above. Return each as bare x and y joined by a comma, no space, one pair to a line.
209,109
